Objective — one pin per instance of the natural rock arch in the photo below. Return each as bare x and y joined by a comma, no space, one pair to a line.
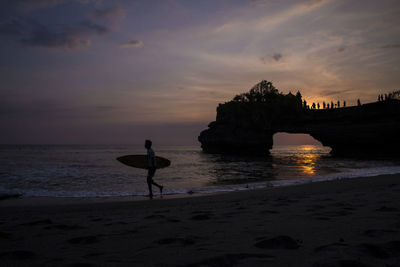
246,124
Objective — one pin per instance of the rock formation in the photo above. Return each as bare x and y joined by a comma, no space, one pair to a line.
246,124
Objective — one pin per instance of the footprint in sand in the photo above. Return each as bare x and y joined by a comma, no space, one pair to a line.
39,222
331,247
18,255
340,263
381,251
279,242
386,209
81,264
181,241
96,219
4,235
86,240
269,212
229,259
154,216
64,227
94,254
378,233
173,220
201,216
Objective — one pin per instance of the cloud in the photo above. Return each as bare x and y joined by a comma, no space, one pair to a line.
289,13
12,27
341,49
388,46
131,44
26,6
60,107
309,3
109,13
105,108
312,3
88,27
333,92
30,5
67,37
277,57
30,33
250,27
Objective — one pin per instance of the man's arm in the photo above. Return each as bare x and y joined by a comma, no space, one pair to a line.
151,159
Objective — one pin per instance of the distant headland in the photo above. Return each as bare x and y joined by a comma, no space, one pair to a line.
247,123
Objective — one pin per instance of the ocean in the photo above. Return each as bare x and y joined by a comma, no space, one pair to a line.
92,170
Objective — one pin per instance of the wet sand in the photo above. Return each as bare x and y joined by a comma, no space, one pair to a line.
348,222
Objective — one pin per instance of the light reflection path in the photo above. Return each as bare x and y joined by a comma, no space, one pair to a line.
307,160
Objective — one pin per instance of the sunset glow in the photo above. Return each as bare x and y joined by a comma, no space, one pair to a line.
108,71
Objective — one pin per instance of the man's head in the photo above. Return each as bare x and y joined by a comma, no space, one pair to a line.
147,144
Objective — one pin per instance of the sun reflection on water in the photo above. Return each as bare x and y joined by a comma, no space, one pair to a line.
307,160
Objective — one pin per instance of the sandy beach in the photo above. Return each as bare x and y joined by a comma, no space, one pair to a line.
348,222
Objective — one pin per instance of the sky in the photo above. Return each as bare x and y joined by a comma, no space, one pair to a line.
118,72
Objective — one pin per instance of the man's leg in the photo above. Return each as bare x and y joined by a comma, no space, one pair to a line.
152,172
159,186
149,182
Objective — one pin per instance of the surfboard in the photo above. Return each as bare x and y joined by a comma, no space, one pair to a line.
140,161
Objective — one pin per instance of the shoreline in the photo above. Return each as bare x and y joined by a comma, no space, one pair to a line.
18,200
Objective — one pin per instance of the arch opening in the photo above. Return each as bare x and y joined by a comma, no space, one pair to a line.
300,151
290,139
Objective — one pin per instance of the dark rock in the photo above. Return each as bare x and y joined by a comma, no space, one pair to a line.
247,126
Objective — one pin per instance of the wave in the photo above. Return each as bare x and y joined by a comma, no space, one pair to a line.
349,174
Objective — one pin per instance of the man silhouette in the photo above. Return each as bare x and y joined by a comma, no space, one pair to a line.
151,168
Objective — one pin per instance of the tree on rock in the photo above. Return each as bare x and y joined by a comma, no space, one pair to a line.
261,92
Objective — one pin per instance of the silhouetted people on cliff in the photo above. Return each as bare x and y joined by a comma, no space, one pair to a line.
382,97
299,96
324,105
